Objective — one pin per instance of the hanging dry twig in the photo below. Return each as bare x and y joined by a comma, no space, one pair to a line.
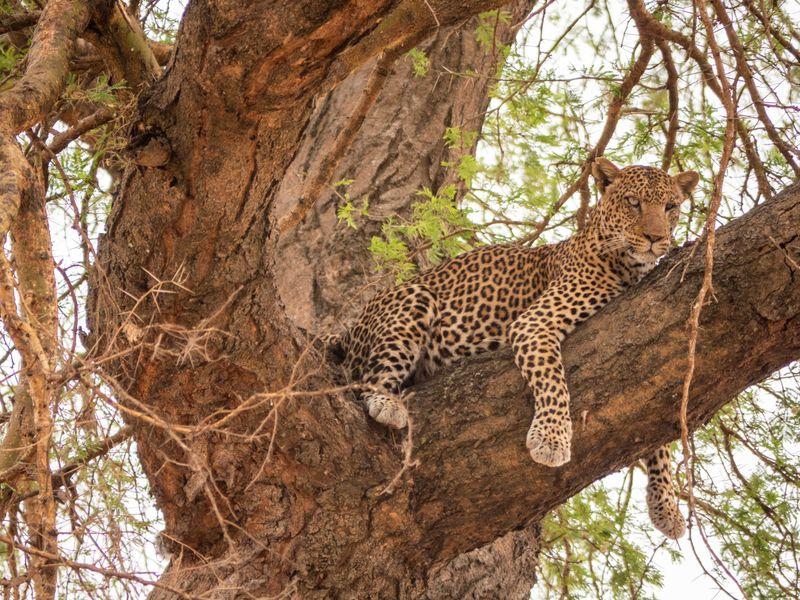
706,285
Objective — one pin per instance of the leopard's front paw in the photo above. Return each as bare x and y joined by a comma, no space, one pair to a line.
549,444
386,410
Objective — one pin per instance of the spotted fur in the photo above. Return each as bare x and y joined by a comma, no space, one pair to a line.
531,298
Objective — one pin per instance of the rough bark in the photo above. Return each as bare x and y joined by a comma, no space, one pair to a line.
399,149
321,509
233,109
504,568
326,270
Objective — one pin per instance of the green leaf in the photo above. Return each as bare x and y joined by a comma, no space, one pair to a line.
420,63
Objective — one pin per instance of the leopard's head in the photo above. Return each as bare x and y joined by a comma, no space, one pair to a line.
639,207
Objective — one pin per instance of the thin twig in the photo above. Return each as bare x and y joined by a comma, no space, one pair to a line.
727,97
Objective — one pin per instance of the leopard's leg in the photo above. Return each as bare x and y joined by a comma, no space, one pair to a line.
662,505
536,338
396,353
389,369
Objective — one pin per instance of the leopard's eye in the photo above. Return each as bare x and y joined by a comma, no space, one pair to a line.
671,206
632,200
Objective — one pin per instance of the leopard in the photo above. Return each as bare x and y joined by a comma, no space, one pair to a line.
531,298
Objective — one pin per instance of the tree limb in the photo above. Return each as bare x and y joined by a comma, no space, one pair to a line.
15,22
47,65
475,480
122,44
63,139
647,22
625,367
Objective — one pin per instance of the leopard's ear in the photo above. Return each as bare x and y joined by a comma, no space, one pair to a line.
604,172
687,181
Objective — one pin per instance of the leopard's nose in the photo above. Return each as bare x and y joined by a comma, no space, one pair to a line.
653,238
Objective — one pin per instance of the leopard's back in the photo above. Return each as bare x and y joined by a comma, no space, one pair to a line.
461,307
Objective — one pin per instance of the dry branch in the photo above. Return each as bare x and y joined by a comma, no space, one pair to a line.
706,288
648,23
613,114
672,90
63,139
55,559
745,72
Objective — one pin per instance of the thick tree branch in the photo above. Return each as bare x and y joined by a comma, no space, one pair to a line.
344,138
15,22
22,211
47,65
475,480
33,259
122,44
32,95
625,367
399,150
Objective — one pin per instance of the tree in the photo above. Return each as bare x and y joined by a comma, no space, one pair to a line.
222,260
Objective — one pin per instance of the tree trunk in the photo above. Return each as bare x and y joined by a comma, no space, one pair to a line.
399,150
285,492
326,269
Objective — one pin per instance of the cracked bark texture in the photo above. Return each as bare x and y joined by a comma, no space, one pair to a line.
234,108
326,269
399,149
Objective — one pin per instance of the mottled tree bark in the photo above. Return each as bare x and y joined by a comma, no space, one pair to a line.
399,150
326,270
251,513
